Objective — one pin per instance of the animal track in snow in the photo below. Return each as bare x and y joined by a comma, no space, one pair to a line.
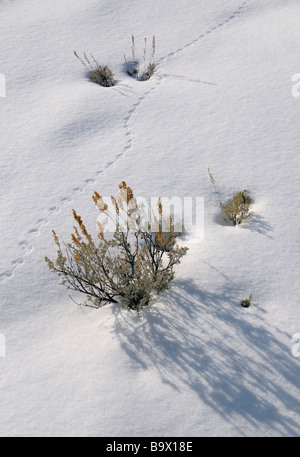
158,77
234,15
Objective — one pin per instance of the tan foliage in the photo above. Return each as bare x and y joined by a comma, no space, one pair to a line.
237,209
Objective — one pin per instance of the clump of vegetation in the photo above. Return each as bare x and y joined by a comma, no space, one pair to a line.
134,69
237,210
148,72
98,73
130,267
247,302
132,66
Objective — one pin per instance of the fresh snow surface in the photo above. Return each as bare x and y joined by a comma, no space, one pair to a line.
196,363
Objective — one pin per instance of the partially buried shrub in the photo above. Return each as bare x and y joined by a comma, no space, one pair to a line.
237,209
246,302
134,69
99,74
130,267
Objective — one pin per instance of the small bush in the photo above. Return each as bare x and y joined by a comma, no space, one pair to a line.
130,267
148,73
247,302
100,74
237,209
133,68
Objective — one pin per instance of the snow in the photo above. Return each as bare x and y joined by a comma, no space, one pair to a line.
196,363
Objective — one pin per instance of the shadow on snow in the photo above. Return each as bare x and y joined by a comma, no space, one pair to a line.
234,360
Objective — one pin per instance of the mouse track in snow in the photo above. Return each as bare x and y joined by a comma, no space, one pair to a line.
26,244
41,223
160,77
233,16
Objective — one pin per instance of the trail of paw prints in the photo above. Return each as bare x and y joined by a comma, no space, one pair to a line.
160,76
26,244
233,16
132,112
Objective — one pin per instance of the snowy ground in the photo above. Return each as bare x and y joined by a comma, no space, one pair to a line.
196,363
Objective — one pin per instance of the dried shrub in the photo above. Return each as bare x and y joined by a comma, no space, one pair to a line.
237,210
247,302
134,69
130,267
212,180
98,73
148,72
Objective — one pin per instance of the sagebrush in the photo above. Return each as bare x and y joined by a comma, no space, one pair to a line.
246,302
145,71
130,267
99,74
237,210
